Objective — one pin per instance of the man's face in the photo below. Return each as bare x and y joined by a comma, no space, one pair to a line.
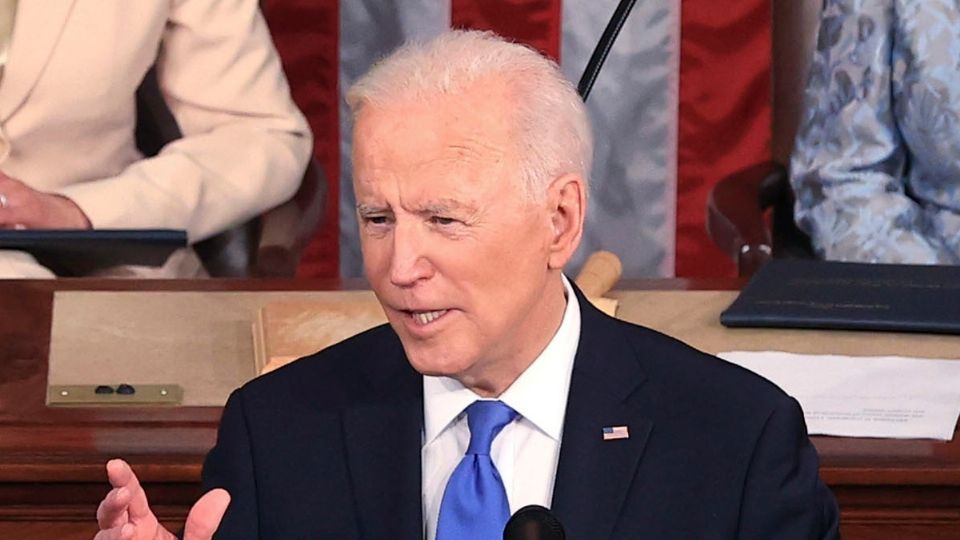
454,252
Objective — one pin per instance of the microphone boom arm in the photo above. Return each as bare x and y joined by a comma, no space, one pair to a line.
599,55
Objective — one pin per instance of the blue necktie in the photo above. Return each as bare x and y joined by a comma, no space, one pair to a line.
474,504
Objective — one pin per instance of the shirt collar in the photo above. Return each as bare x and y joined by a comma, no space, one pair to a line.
539,394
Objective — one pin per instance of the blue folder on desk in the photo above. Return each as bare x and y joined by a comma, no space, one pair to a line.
80,252
790,293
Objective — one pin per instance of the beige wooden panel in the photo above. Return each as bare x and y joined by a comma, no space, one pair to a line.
203,341
694,317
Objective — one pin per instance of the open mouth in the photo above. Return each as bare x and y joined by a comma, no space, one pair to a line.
423,318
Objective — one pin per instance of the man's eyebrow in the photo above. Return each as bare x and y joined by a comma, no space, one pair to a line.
440,206
364,209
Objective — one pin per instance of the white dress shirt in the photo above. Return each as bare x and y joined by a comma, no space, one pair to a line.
526,450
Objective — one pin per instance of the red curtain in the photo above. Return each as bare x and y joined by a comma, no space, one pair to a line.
534,22
724,114
306,33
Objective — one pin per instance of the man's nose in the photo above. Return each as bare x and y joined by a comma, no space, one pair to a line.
410,263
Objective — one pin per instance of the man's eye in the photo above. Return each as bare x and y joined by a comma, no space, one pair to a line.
441,220
375,220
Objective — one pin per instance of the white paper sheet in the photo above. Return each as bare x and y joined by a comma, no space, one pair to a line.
880,396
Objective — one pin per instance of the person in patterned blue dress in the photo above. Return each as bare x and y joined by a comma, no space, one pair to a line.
875,166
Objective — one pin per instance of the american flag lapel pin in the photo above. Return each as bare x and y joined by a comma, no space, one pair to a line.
613,433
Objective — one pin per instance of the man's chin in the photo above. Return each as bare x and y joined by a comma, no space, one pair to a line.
434,365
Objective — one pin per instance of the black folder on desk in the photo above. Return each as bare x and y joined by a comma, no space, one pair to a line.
80,252
791,293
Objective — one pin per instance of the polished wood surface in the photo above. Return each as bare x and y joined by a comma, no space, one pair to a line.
51,459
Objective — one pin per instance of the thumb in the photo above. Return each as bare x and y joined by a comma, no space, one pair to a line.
205,516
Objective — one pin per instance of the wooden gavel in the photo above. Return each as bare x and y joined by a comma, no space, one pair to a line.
599,274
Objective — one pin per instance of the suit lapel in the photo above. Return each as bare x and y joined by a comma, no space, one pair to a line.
36,29
594,475
383,440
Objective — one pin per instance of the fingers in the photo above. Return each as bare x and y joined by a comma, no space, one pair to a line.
112,511
124,513
8,181
18,198
126,532
25,207
205,516
119,473
121,476
13,190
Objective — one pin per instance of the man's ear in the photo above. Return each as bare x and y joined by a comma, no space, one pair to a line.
567,204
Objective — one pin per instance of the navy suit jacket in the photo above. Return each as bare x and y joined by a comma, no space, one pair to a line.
329,446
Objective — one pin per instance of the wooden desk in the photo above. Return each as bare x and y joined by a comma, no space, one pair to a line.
51,460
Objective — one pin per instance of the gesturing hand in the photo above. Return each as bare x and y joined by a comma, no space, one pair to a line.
24,207
124,514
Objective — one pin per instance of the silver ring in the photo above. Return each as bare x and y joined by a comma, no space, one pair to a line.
3,201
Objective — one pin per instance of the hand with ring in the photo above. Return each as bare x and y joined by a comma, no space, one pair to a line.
22,207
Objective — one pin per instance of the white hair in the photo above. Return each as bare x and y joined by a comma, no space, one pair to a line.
554,131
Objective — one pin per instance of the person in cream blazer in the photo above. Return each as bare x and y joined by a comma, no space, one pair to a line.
68,157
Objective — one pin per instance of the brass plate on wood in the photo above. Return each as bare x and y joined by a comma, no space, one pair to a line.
85,395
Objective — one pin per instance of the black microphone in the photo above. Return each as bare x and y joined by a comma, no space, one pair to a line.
533,522
603,47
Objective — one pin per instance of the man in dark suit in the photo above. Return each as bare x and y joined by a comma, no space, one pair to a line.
496,384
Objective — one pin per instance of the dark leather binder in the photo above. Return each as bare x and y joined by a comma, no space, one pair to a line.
791,293
80,252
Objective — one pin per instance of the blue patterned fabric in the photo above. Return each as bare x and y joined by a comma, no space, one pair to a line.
876,164
474,504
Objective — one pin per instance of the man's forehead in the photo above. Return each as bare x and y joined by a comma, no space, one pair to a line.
383,130
430,137
487,99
